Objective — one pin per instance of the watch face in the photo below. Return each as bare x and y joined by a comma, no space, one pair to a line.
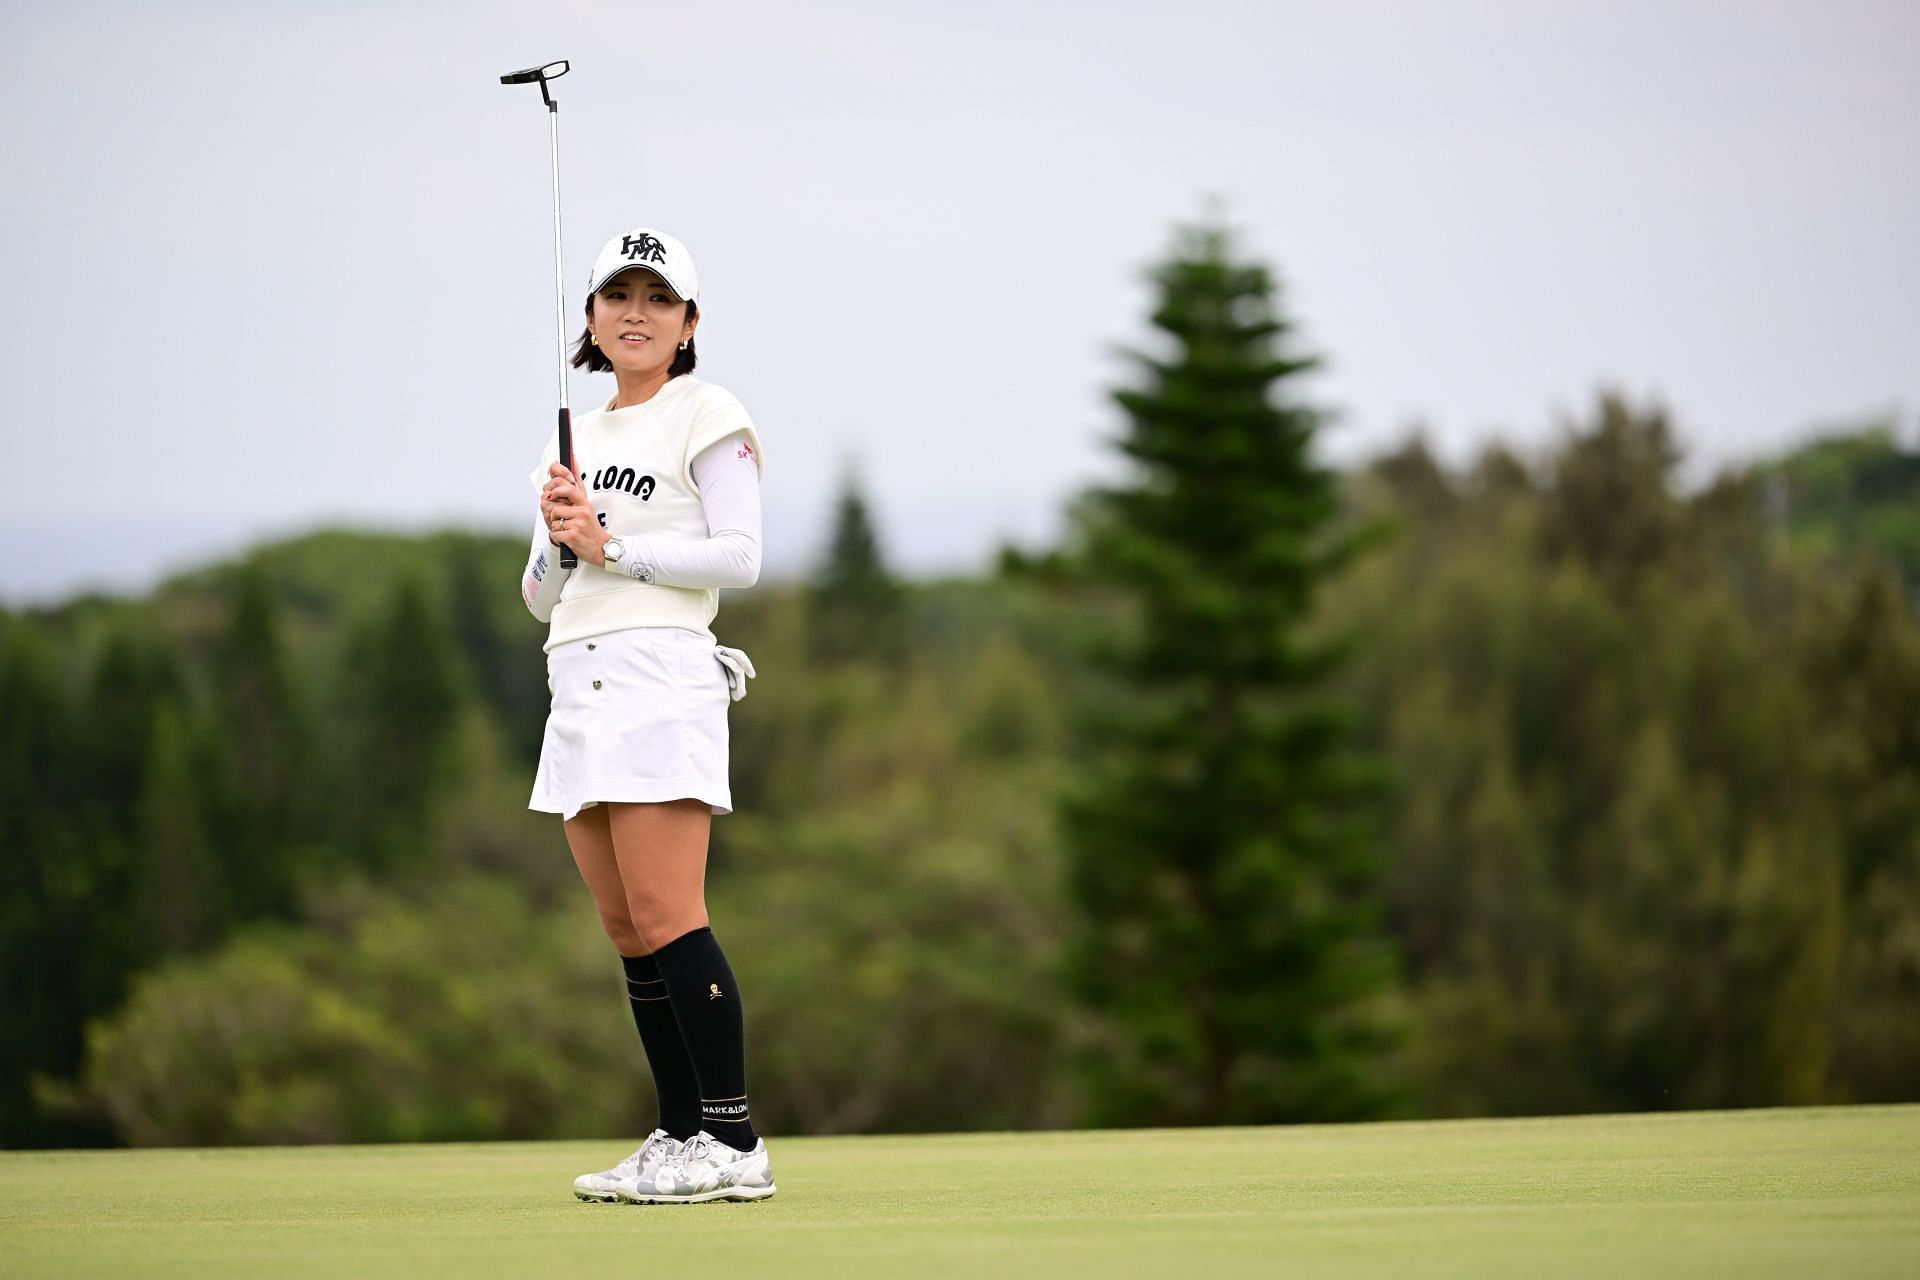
614,550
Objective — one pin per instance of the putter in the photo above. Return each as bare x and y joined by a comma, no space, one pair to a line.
540,76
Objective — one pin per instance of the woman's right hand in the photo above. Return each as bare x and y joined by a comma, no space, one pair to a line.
570,517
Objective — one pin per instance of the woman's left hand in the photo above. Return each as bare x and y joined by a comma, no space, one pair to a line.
571,521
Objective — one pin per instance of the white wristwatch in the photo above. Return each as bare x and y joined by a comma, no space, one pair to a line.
616,548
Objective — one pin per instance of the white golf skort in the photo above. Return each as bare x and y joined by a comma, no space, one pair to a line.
637,715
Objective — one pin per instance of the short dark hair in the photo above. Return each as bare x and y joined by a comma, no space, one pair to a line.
591,358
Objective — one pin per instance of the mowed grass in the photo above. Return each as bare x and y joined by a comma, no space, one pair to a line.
1828,1192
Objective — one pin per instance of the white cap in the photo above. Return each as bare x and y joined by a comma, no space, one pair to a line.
645,247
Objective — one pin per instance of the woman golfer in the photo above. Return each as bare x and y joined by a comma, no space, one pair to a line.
666,510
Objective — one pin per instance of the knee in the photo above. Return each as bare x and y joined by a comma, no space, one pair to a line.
659,920
621,933
657,935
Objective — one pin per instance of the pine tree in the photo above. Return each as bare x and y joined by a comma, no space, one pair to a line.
139,668
265,797
403,696
509,673
1220,838
47,875
856,608
180,892
1612,507
140,673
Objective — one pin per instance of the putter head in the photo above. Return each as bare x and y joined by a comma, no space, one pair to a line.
536,75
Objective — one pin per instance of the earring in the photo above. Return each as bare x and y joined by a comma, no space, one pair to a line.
594,338
683,344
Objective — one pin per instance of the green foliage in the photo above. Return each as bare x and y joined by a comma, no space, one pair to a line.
888,883
179,895
167,777
897,980
1218,843
459,1015
49,871
1655,838
492,631
1625,837
261,782
1863,656
901,945
1612,509
1852,493
400,687
888,887
855,611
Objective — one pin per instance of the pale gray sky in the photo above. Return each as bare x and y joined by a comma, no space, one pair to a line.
273,266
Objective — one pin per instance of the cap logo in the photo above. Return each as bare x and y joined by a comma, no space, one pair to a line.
645,249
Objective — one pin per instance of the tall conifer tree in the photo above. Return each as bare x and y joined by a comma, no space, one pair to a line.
46,876
856,607
1221,844
268,799
179,887
403,696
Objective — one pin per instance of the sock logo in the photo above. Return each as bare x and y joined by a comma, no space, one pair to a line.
713,991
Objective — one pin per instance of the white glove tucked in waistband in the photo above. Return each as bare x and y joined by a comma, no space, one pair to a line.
739,669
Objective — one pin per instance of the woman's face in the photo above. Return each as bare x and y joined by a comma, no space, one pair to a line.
639,323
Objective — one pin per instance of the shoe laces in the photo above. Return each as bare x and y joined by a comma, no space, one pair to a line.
634,1163
698,1147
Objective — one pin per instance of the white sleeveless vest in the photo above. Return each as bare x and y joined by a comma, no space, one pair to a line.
636,466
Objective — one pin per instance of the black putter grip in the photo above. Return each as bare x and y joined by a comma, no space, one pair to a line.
568,560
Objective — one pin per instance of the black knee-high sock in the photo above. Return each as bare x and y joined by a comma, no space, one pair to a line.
707,1006
674,1079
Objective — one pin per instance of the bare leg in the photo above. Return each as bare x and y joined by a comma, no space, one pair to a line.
661,856
675,1083
662,851
591,839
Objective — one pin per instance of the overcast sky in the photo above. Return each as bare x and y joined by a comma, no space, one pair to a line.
269,267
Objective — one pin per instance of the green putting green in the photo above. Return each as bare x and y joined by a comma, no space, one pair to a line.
1833,1192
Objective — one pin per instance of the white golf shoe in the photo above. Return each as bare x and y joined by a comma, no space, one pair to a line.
644,1163
704,1168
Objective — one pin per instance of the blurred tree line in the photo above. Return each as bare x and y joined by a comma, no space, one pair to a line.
1657,835
1578,791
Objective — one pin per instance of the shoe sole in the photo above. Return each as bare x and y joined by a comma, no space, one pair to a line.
719,1193
596,1197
